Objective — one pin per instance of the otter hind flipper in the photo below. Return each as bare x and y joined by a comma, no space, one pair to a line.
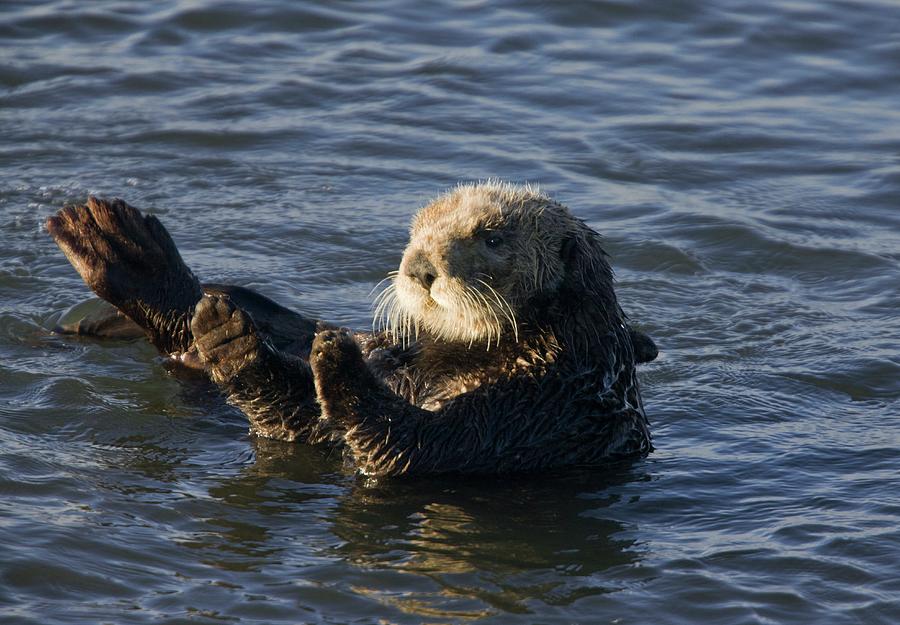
130,260
97,318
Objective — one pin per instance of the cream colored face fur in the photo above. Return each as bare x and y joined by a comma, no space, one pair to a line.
476,256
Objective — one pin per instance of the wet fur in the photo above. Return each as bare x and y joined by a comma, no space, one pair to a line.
537,371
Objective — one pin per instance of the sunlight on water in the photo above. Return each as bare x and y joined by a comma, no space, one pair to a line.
741,160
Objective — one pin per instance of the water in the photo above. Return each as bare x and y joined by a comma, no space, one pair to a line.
743,161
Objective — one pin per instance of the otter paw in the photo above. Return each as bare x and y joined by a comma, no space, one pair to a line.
121,254
335,352
339,371
340,375
225,338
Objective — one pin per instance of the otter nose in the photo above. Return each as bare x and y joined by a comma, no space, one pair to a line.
422,271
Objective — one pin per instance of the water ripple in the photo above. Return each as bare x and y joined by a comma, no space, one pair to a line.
740,159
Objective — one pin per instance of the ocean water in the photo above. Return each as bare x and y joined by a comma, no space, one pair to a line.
742,159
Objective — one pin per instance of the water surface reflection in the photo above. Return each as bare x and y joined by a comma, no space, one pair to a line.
484,543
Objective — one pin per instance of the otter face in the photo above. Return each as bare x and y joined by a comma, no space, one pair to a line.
476,257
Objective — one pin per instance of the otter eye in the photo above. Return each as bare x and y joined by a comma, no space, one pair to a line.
494,240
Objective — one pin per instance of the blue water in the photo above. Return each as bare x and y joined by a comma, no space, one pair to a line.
741,158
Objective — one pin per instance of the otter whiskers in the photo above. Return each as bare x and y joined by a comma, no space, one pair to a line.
505,309
465,312
390,315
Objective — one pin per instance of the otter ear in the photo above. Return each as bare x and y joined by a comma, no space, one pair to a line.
585,261
575,250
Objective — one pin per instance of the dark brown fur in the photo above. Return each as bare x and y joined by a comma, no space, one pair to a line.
560,391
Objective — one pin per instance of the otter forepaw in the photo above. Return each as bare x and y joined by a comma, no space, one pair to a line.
341,376
225,338
335,353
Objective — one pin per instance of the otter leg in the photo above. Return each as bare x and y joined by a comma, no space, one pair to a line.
381,430
130,260
275,390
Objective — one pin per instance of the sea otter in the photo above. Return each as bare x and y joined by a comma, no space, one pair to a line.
499,343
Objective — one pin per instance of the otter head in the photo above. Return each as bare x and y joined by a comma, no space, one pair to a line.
482,259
